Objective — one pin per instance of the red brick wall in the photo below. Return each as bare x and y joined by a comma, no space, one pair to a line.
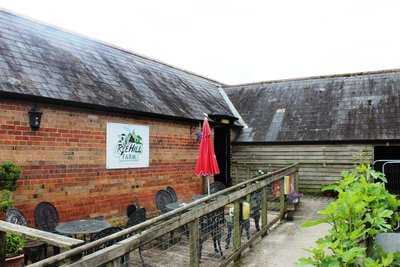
64,162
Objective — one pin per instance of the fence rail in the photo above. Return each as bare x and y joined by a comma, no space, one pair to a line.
194,223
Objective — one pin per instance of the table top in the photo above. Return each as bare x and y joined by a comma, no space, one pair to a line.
86,226
174,205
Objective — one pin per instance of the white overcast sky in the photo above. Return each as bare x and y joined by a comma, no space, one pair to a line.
238,41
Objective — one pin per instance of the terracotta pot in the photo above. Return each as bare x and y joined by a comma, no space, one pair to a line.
17,261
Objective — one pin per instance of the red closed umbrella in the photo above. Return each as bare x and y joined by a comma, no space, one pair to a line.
206,164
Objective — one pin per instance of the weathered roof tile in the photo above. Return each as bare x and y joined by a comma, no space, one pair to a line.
48,62
363,106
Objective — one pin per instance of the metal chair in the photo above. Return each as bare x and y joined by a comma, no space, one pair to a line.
172,192
46,217
135,218
124,261
216,186
33,250
162,199
130,209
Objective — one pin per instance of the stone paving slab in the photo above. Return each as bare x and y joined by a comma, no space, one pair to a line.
286,243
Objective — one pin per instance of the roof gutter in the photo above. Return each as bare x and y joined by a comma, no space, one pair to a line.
96,107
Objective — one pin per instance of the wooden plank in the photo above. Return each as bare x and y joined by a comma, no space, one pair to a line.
264,207
194,238
35,234
236,227
282,196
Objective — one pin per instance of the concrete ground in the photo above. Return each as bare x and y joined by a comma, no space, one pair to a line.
286,243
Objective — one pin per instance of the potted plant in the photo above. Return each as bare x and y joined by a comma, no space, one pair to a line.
5,202
9,174
14,250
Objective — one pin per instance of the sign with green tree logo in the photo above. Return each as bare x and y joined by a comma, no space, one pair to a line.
127,146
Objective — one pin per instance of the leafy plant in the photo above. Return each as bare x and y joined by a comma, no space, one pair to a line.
14,245
363,209
9,174
5,200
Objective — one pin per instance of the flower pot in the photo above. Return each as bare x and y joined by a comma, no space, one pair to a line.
17,261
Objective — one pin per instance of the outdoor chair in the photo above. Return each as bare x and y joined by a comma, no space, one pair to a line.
138,216
172,192
33,250
46,219
216,186
130,209
163,197
106,232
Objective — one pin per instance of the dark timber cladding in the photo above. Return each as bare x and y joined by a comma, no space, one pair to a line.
37,60
325,123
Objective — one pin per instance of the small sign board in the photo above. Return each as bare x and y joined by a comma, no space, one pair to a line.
127,146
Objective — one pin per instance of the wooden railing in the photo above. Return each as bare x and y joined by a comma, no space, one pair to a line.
188,217
59,241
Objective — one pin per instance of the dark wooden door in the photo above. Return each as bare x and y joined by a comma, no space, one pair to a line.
392,171
222,146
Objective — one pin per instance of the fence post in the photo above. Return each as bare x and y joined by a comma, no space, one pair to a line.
194,239
264,208
2,248
282,197
296,180
236,227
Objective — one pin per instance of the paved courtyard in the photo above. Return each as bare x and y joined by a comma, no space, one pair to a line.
286,243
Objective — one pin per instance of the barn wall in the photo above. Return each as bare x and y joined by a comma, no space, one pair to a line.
320,164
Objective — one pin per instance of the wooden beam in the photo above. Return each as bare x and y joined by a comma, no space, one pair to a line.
264,207
194,238
35,234
236,227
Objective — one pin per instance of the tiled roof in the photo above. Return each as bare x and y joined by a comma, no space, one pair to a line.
43,61
360,106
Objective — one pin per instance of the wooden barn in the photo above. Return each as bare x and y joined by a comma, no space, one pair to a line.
327,123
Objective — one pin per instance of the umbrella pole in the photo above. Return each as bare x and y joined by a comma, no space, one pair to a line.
208,185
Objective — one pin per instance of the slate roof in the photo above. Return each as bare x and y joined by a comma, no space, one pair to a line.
43,61
360,106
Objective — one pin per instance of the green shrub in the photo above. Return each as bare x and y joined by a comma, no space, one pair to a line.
362,209
9,174
5,200
14,245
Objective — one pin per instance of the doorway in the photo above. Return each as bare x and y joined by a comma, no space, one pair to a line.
384,161
222,147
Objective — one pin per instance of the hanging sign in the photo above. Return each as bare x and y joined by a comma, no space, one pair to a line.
127,146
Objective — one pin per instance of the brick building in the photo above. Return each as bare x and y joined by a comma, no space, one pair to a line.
79,85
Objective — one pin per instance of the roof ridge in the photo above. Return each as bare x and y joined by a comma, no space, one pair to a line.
351,74
113,46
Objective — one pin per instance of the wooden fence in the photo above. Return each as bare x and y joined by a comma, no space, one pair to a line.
188,217
58,241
